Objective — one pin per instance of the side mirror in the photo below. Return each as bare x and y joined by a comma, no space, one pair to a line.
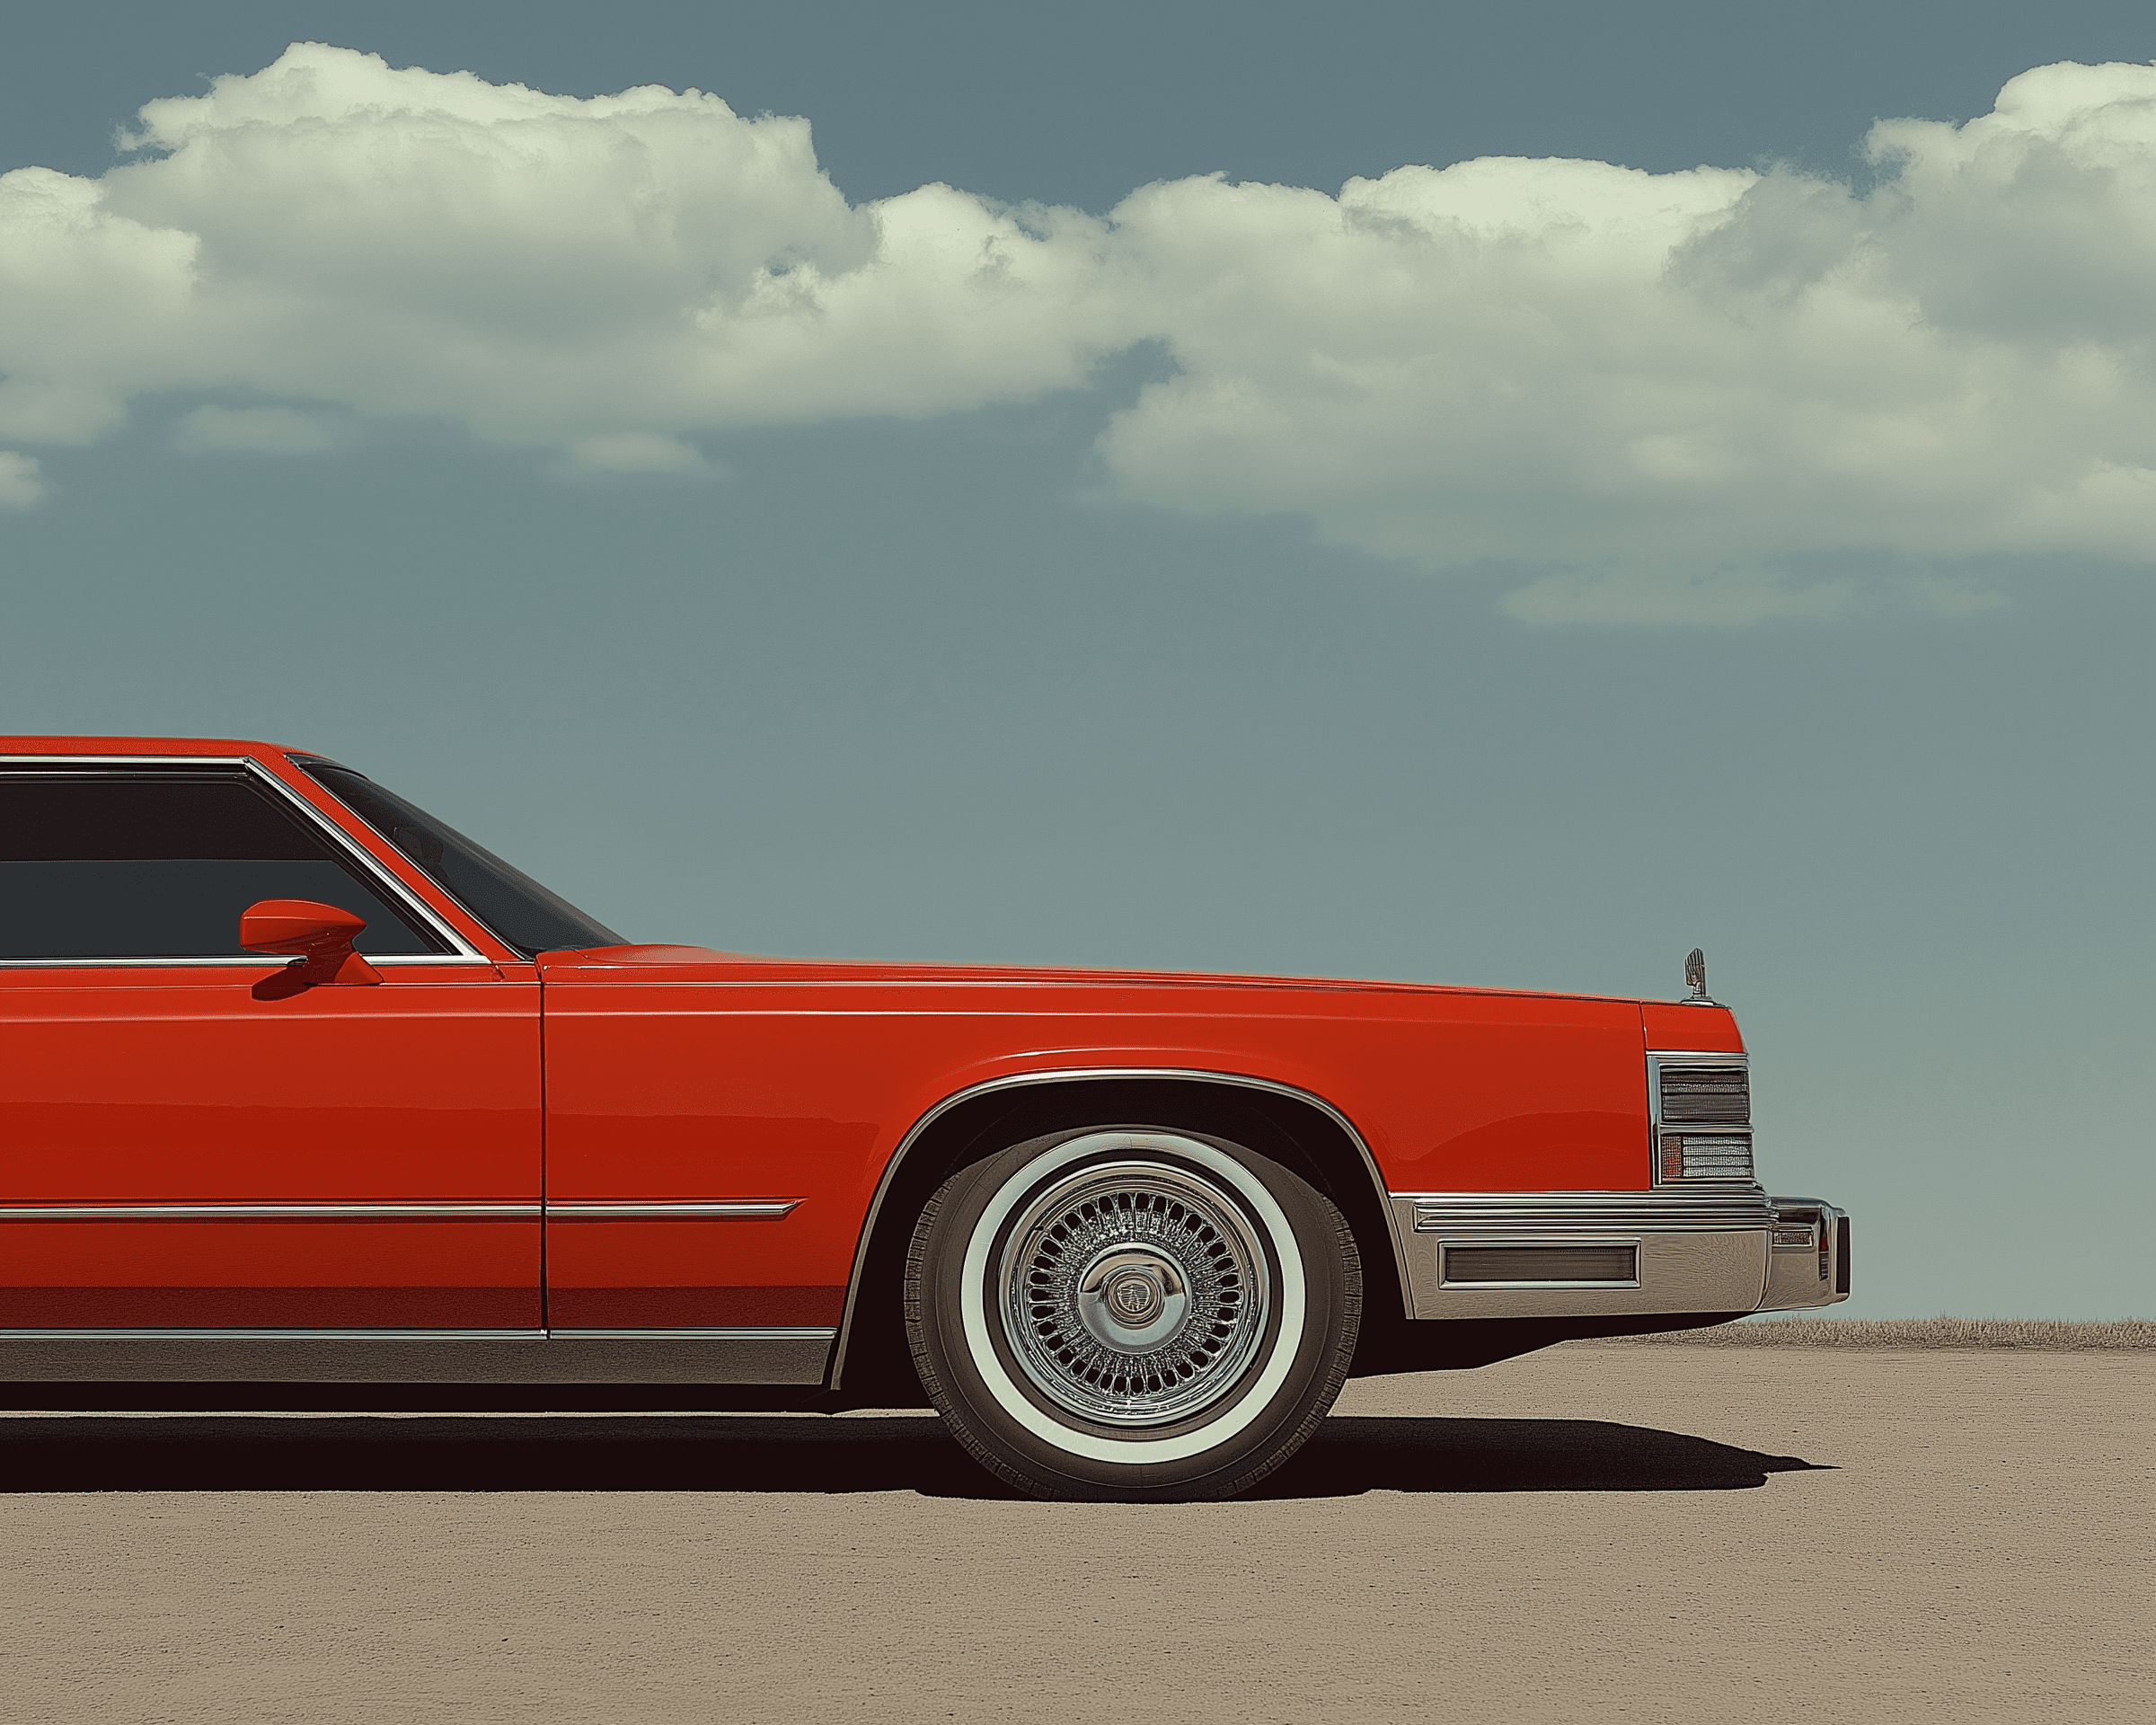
318,936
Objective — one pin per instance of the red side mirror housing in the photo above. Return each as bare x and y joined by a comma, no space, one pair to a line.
318,935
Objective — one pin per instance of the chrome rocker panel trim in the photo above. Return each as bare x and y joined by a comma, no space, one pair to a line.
779,1353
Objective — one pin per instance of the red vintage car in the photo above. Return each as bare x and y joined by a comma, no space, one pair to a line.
305,1099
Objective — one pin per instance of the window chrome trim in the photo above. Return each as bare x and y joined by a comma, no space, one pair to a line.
517,952
462,950
266,1212
1079,1075
684,1212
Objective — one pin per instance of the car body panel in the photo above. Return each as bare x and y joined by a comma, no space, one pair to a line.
212,1152
620,1144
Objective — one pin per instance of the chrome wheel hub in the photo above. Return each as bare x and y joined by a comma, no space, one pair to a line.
1132,1300
1133,1293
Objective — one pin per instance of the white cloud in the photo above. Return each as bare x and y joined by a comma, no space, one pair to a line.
541,269
22,479
634,452
1655,396
1661,389
256,430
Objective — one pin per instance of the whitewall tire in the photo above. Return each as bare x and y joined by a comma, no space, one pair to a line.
1132,1313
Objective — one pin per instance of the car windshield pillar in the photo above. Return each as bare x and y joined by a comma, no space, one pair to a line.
520,912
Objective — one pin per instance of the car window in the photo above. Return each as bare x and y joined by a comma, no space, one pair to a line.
159,865
517,907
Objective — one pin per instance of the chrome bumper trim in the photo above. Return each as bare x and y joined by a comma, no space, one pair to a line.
1663,1211
1808,1264
1699,1251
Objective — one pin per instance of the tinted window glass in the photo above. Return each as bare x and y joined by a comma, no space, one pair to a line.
160,865
517,907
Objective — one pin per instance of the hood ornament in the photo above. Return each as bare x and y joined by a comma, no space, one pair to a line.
1695,978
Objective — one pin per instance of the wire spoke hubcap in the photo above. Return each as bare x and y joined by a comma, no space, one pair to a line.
1134,1292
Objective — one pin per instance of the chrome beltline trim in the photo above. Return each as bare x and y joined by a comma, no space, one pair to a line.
677,1212
263,1212
1070,1074
1661,1211
265,961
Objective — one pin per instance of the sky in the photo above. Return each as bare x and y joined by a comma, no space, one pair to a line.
1496,496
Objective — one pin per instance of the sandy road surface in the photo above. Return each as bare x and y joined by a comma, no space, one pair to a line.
1605,1531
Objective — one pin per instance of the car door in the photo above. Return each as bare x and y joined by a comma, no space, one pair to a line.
186,1142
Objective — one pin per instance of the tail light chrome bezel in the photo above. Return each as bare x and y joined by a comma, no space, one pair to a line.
1724,1147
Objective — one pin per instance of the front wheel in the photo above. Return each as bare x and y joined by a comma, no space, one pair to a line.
1131,1313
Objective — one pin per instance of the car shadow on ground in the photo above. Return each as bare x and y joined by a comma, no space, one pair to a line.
804,1453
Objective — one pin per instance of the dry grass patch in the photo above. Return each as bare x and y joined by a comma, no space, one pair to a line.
1916,1333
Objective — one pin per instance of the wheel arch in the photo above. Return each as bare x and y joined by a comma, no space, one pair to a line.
871,1364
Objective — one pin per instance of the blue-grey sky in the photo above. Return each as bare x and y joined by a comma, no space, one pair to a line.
1513,575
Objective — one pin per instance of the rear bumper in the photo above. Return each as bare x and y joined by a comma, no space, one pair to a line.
1620,1254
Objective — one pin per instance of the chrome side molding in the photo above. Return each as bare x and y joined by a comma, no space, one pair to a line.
686,1212
267,1212
755,1206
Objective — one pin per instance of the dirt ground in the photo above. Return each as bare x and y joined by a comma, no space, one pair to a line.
1602,1530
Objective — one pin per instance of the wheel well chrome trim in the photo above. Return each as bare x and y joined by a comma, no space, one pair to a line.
1107,1075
